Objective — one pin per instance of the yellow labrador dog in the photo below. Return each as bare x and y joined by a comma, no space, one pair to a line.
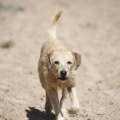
56,69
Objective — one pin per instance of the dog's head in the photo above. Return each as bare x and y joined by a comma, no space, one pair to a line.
61,63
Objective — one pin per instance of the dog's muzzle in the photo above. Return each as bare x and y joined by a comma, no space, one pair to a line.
63,74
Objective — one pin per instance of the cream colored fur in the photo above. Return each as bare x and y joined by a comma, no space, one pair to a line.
50,73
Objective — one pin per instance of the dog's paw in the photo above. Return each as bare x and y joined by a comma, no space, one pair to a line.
64,112
65,115
73,110
60,118
66,118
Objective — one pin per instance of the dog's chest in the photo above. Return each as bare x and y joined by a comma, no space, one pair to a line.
60,85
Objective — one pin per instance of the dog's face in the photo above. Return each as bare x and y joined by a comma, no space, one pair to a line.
61,63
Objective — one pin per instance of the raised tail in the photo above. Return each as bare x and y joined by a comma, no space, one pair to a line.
52,30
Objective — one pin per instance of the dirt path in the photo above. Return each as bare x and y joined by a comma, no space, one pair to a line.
91,27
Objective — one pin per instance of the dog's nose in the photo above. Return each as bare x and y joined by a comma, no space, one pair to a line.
63,72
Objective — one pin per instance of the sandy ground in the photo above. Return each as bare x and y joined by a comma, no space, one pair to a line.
90,27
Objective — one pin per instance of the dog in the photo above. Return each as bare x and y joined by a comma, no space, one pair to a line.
56,68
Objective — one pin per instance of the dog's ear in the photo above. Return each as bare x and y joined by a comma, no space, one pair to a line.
46,60
77,60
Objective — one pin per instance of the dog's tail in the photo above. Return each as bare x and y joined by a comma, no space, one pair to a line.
52,30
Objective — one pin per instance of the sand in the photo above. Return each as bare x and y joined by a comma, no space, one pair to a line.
90,27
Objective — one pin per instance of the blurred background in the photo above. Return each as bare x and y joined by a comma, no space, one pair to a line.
90,27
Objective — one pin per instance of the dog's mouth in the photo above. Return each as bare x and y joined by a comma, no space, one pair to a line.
62,78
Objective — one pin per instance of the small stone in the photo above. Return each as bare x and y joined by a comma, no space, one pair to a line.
42,99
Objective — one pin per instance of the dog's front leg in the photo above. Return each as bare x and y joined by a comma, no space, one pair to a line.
62,103
48,105
54,98
75,103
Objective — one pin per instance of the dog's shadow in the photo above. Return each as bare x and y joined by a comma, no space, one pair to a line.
36,114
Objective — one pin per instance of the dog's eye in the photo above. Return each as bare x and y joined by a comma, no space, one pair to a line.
56,62
69,62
